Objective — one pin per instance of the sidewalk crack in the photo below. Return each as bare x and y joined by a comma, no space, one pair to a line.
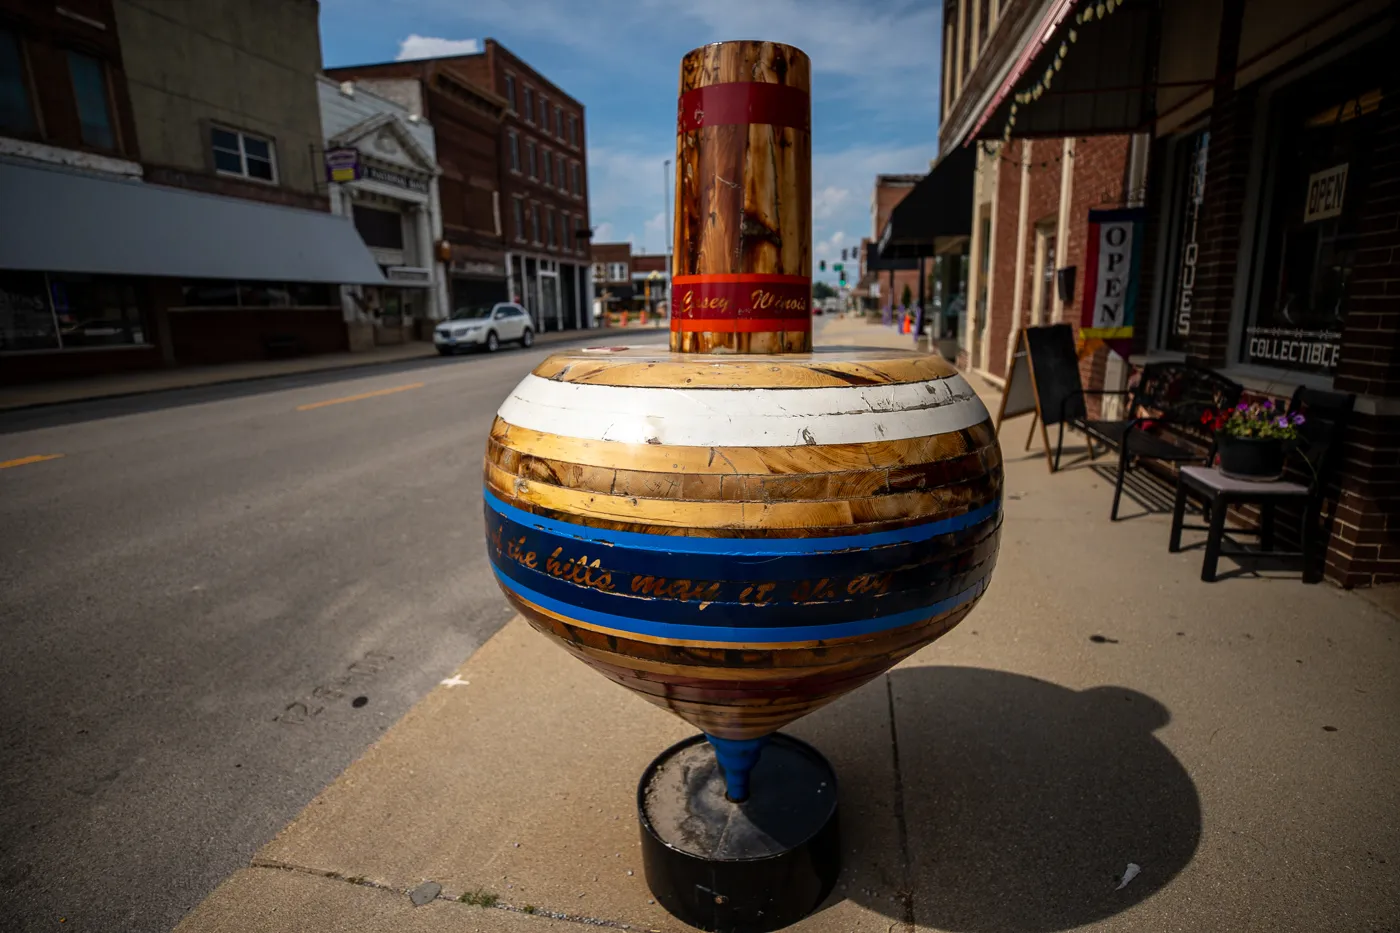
906,885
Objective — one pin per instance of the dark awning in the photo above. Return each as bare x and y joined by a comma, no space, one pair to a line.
1104,82
939,207
64,221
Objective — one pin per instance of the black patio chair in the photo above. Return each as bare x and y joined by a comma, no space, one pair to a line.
1325,419
1163,418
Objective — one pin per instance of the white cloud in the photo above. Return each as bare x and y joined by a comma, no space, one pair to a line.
828,201
416,46
603,233
654,234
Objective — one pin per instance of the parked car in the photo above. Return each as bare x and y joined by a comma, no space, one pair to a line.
474,328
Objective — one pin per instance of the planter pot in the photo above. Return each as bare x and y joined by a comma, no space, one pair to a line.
1252,458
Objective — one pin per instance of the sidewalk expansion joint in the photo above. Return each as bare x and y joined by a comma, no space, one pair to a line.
465,899
906,885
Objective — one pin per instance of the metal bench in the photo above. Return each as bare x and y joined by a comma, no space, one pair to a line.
1326,415
1163,418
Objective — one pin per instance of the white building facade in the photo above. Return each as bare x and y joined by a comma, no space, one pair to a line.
382,171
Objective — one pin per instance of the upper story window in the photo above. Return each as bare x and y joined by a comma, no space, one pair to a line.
573,130
532,158
510,90
535,222
617,272
89,78
544,112
519,218
559,175
564,231
549,227
548,167
577,180
530,104
559,122
16,107
239,153
514,151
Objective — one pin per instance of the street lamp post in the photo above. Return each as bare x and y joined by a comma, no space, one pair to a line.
666,232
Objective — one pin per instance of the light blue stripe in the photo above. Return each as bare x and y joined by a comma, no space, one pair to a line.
745,547
726,635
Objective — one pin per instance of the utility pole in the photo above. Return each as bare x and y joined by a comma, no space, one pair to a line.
667,233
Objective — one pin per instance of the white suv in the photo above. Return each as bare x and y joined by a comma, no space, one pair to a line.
479,327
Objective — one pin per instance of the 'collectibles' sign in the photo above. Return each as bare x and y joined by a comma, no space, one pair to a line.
1111,279
342,165
1295,348
1326,189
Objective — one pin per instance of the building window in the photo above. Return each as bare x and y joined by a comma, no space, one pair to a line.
16,108
514,150
1189,159
530,104
239,153
549,227
535,222
53,311
510,89
548,167
379,228
559,122
565,232
1324,133
90,93
519,219
573,130
617,272
559,174
1045,265
532,157
544,113
577,180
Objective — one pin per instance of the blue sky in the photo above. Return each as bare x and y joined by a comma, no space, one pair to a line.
875,73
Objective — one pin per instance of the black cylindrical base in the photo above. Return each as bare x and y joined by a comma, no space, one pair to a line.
748,867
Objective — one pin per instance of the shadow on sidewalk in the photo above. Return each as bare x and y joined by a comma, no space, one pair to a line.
1025,801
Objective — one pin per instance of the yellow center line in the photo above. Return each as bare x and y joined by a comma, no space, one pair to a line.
37,458
362,395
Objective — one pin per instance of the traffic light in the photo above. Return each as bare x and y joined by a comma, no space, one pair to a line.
843,254
821,265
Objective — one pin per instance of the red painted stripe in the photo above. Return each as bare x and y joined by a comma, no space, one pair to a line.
761,300
742,277
742,326
740,103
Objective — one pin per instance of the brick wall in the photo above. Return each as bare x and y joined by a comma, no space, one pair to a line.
1001,319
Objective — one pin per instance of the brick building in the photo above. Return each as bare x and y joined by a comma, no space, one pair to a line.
892,276
612,274
173,212
1263,140
538,180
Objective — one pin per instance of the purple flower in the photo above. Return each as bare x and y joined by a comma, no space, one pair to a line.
1242,406
1268,404
1297,418
1281,421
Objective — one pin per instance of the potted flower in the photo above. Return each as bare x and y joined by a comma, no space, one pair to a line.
1252,438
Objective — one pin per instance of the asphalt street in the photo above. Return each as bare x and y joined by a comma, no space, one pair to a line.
213,601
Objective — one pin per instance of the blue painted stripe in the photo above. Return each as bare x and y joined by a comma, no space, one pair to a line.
732,635
745,547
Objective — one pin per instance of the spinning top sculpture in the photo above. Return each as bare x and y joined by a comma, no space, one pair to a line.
742,530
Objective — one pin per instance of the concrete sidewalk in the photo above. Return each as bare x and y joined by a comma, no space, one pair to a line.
1101,708
186,377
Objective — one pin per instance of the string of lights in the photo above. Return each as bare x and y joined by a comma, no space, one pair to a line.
1091,12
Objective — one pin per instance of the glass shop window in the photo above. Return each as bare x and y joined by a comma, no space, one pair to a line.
1189,157
40,311
1322,132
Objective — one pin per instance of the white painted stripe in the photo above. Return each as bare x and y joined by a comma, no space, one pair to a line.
744,417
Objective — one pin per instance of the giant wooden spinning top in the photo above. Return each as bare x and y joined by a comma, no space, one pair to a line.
742,529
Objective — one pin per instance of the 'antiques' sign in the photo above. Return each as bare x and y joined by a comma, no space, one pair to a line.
397,179
342,165
1111,280
1326,189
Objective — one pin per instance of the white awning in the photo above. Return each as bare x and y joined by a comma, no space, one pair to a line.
65,221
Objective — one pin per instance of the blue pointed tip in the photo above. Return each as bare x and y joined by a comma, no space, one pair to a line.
737,758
